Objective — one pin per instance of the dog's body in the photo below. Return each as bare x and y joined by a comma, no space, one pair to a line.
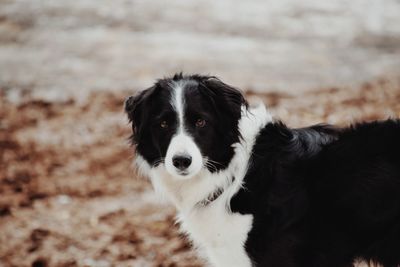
252,192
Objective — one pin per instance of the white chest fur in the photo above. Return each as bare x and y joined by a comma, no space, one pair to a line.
221,235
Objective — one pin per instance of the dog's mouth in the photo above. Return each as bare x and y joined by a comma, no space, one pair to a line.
183,173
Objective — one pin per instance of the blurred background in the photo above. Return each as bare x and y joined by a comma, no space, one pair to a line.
69,195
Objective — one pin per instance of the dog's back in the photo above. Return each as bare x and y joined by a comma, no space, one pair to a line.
322,196
356,193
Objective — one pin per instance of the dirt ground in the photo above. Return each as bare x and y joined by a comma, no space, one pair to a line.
69,195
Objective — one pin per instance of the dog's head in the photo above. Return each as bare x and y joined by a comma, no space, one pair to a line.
186,124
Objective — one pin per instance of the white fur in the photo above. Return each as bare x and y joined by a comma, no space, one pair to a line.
214,229
178,101
182,143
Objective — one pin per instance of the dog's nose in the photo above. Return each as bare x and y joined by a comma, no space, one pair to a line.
181,162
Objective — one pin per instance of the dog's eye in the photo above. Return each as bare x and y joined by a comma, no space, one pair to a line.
164,124
200,123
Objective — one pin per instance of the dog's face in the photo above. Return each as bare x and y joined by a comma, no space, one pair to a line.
186,124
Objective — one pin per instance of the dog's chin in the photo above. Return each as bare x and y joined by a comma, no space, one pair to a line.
182,175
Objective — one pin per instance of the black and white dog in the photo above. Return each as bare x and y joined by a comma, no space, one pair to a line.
252,192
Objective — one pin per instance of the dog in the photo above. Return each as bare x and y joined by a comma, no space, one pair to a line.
251,191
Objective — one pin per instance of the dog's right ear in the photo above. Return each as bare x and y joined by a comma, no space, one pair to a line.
132,106
134,109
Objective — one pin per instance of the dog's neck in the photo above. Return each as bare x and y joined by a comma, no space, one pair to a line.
211,197
206,188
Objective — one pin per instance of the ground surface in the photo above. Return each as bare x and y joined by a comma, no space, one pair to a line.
70,197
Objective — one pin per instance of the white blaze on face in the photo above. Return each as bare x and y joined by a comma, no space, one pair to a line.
182,144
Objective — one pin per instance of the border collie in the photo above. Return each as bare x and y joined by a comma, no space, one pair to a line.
252,192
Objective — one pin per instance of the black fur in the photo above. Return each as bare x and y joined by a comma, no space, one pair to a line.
324,197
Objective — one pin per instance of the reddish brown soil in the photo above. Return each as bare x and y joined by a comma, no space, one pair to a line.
69,195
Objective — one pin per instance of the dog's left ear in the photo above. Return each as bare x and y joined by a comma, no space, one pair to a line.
231,98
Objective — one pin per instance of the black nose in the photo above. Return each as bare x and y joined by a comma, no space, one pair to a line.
182,161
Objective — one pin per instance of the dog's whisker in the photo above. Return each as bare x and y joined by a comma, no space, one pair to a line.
215,162
211,166
158,161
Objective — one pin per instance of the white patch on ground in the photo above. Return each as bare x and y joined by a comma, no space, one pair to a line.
74,46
